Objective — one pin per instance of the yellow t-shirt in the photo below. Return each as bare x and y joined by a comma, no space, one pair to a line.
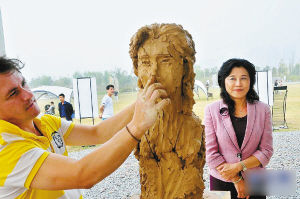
22,154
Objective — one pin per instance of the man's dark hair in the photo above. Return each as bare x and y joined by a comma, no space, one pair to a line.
225,71
51,102
63,95
109,86
10,65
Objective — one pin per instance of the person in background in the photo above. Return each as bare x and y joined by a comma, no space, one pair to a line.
106,107
51,109
238,130
65,108
207,85
34,162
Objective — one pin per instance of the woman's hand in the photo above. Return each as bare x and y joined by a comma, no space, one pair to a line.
241,188
229,171
148,104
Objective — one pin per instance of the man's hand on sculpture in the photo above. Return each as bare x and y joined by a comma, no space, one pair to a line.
147,106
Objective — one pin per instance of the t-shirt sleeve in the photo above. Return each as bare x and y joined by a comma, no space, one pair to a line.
65,128
19,162
104,100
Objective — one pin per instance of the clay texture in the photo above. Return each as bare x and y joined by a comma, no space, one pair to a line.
172,153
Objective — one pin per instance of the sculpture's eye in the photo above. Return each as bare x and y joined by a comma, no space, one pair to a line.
146,62
165,60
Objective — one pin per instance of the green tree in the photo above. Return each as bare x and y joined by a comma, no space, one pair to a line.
282,69
41,81
274,72
64,82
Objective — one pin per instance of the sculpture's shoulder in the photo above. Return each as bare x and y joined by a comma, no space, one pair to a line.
193,122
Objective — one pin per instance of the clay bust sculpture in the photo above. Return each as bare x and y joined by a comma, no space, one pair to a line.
172,153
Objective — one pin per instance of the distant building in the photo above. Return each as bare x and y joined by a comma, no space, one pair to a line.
2,46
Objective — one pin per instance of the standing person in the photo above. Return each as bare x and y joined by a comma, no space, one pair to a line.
65,108
107,108
238,130
51,109
33,153
207,85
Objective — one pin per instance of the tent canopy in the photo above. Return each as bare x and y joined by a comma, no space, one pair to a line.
198,85
52,92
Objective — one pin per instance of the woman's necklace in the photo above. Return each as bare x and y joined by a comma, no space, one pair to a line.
241,111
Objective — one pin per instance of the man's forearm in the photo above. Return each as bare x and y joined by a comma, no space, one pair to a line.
111,126
100,163
86,172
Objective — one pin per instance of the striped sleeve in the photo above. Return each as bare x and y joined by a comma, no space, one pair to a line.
19,163
65,128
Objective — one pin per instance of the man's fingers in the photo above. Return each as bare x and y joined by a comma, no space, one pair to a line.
162,104
149,82
152,88
159,93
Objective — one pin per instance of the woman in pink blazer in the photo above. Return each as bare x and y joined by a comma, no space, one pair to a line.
238,130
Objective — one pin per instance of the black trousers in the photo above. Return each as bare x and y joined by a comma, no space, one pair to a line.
219,185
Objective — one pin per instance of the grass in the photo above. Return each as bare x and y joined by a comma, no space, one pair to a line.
292,113
292,106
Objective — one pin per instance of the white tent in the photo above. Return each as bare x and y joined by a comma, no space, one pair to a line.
2,46
52,92
198,85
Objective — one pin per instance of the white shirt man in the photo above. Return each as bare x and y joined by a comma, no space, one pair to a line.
107,108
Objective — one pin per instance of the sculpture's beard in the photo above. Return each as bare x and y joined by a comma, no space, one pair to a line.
164,134
169,155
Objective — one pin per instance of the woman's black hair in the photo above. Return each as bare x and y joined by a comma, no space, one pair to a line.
225,71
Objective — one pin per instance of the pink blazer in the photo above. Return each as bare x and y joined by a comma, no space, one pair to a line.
221,141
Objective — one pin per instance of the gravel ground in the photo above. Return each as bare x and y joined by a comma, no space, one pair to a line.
124,182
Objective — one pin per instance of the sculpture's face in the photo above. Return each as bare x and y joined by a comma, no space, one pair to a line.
155,60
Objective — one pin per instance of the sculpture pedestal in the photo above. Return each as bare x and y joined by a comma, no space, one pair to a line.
206,195
216,195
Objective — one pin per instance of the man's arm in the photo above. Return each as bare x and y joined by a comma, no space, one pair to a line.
101,109
59,109
59,172
71,109
100,133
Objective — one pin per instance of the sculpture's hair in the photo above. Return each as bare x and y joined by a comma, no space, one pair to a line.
183,45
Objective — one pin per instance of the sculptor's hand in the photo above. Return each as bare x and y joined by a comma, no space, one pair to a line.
241,189
147,107
228,171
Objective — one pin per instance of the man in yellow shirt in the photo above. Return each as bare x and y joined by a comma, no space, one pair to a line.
33,155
